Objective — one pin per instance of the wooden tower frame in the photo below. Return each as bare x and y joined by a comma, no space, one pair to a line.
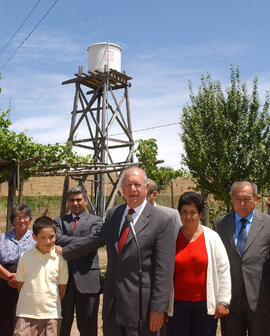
103,108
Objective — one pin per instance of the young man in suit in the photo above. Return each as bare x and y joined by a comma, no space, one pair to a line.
84,276
245,233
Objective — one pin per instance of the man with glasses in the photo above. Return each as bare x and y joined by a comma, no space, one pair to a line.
245,233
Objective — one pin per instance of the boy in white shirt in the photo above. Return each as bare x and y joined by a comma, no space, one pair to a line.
41,276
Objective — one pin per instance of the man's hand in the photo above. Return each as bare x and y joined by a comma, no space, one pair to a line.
156,320
12,280
58,249
221,311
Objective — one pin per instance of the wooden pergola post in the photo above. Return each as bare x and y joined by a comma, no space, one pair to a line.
11,195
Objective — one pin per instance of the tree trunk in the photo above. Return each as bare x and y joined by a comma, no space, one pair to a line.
20,200
205,214
64,197
11,196
172,194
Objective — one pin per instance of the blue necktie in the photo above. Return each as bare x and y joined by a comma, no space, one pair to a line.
242,236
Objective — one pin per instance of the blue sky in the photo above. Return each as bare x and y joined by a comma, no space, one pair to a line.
164,44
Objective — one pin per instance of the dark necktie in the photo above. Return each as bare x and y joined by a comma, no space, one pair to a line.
242,236
75,222
124,233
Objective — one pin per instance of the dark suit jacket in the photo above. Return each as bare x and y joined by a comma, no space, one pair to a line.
84,267
155,235
253,270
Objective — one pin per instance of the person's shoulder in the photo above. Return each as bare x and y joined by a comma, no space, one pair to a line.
171,211
28,253
64,218
223,219
260,215
93,217
7,235
160,214
209,232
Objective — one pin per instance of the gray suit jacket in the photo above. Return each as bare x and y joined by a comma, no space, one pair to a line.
155,235
174,214
83,266
253,270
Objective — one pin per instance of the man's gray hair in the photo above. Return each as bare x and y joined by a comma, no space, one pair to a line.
122,179
77,190
254,187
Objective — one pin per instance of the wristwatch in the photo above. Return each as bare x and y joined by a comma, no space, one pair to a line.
226,305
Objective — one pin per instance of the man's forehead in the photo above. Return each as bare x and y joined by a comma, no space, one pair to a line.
75,196
134,176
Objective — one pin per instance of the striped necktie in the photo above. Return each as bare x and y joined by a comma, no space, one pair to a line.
75,222
242,236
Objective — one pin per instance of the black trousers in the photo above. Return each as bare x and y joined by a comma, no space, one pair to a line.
190,318
86,306
9,298
245,322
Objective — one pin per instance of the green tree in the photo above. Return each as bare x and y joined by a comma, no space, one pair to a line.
17,147
226,136
146,152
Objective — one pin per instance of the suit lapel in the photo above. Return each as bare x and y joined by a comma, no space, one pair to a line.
142,221
69,225
256,226
116,220
229,229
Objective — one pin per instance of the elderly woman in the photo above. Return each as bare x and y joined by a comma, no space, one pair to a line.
12,245
202,283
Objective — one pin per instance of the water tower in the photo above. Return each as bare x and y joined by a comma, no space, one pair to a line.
101,123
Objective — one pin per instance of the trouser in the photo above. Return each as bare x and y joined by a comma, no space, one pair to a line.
245,321
112,328
190,318
37,327
9,298
86,306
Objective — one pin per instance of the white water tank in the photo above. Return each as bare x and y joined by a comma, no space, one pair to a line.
104,53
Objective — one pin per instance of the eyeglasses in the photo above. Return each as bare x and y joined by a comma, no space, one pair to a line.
243,200
26,218
186,214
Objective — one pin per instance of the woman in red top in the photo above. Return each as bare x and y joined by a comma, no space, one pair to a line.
202,276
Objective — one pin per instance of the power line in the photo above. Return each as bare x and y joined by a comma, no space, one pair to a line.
149,128
142,129
12,37
43,17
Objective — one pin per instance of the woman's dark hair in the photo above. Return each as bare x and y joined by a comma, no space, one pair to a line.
20,208
43,222
191,197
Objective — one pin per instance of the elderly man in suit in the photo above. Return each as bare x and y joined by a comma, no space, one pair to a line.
245,233
152,194
84,276
155,236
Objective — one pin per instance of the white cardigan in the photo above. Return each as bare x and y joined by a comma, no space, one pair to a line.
218,278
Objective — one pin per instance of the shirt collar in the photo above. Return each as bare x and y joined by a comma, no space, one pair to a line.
24,237
248,218
139,208
74,216
52,254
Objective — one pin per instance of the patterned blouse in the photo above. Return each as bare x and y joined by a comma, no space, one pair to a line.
11,249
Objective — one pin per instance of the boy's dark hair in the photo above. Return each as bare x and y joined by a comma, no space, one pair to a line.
43,222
